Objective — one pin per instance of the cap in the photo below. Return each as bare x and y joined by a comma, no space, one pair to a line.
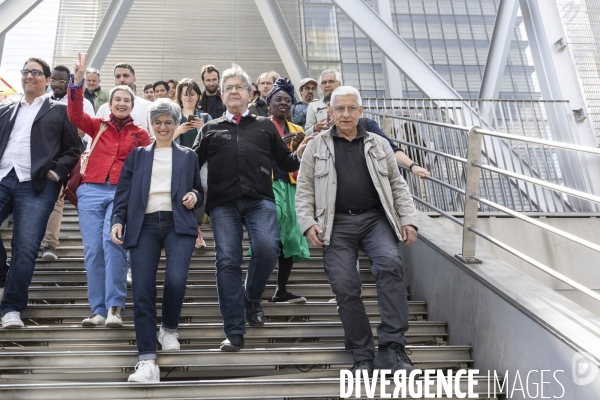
305,81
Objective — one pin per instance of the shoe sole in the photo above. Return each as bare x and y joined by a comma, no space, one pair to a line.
301,300
230,348
143,381
253,324
90,324
113,325
49,257
13,326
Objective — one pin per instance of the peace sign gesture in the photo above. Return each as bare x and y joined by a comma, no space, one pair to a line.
79,70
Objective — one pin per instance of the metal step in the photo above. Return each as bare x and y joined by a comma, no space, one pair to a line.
67,361
209,312
277,387
193,292
420,332
326,387
209,251
198,277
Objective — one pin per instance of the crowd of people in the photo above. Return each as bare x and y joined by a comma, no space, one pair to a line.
293,173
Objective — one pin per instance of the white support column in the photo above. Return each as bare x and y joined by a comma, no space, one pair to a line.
393,78
107,31
12,11
283,39
544,28
499,47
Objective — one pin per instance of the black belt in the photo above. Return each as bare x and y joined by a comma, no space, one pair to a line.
356,211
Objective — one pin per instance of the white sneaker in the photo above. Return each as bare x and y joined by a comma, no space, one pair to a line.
93,320
168,340
114,317
129,280
145,371
12,320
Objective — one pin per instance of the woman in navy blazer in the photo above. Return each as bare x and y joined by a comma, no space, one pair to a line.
158,189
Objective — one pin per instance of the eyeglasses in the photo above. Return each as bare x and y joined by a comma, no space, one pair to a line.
167,124
342,110
238,88
329,82
34,72
59,81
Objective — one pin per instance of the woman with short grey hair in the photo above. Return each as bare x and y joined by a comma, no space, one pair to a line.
166,220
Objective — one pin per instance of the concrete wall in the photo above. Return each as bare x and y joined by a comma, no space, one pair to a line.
570,259
513,322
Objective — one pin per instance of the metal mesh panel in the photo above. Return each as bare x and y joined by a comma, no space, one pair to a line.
173,40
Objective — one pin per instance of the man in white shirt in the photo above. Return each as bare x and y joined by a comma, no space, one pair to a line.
316,113
59,83
38,148
125,75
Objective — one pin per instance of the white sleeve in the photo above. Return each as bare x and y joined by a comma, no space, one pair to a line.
88,108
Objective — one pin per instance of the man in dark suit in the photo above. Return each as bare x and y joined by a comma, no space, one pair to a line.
38,148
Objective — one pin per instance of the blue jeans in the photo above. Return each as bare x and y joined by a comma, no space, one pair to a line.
105,262
260,218
31,215
158,231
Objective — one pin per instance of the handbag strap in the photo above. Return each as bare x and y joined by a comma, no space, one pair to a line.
103,127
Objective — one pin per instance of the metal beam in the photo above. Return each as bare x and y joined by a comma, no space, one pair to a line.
12,11
393,78
2,40
421,74
283,39
107,31
499,48
540,51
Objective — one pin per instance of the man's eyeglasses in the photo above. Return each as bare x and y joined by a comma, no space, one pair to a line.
238,88
59,81
34,72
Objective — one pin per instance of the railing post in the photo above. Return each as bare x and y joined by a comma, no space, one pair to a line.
388,123
471,205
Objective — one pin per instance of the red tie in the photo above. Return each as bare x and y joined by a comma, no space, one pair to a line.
237,118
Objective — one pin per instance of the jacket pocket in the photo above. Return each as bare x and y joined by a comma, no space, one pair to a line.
380,162
321,165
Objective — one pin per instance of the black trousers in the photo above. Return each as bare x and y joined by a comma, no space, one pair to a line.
372,233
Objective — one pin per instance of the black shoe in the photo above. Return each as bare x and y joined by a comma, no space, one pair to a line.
366,365
233,343
254,313
393,356
287,297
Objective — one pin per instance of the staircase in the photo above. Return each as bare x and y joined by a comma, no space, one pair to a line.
297,353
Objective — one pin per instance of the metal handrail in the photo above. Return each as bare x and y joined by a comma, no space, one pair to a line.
552,143
549,185
470,217
419,121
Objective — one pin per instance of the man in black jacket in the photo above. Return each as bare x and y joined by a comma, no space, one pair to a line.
211,101
38,147
239,148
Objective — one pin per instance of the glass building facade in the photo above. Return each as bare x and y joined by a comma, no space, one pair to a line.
453,36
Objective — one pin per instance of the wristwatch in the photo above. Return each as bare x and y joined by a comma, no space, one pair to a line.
412,165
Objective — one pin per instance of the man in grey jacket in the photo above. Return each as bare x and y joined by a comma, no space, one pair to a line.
350,195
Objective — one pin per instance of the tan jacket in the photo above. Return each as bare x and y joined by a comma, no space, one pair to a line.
316,190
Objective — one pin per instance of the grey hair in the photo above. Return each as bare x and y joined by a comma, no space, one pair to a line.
235,71
345,91
121,87
338,76
91,70
164,107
